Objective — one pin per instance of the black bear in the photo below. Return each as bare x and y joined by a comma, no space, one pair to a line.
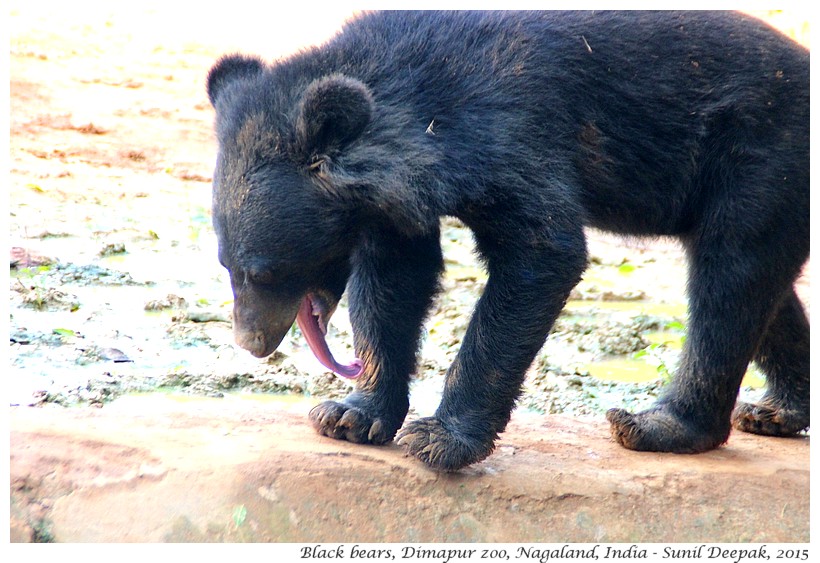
336,164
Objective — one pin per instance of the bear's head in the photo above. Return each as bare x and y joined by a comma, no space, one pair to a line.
283,198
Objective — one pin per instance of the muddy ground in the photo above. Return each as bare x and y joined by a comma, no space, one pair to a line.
116,295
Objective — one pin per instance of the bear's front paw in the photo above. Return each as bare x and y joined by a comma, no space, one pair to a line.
659,429
354,424
440,447
768,419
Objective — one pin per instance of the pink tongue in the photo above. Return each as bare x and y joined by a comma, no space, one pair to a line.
309,325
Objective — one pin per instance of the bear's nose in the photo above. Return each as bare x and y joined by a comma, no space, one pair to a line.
254,342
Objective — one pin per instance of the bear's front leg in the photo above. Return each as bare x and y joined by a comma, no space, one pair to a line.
393,282
526,290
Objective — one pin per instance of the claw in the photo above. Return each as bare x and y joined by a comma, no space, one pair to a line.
375,431
348,419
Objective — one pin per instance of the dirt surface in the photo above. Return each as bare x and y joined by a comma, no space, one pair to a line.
116,294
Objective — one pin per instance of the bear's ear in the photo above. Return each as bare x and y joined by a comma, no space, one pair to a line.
333,111
230,68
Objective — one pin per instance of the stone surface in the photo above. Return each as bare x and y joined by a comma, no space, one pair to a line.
153,469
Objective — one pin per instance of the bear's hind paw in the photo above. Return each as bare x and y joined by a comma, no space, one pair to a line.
768,420
661,430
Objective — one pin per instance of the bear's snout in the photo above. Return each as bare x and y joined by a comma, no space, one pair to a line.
256,342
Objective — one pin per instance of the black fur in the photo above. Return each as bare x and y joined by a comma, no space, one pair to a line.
336,164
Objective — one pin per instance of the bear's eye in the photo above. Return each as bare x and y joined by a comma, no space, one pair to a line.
262,277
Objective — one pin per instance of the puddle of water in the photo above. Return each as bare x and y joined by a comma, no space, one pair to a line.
670,310
623,370
753,379
629,370
672,340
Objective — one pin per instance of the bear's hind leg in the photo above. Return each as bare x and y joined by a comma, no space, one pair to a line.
783,355
734,290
